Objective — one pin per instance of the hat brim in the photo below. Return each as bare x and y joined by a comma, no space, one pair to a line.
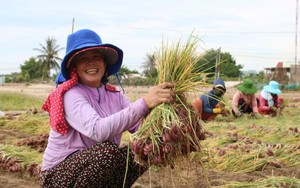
220,86
110,54
113,57
248,91
272,90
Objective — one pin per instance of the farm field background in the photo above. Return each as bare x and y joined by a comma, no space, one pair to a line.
242,152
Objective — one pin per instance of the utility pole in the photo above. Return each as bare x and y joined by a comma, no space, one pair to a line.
296,43
217,66
73,25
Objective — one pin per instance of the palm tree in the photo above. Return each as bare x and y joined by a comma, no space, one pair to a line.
49,56
149,65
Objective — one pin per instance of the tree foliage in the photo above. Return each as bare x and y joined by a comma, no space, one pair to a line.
31,69
261,78
227,67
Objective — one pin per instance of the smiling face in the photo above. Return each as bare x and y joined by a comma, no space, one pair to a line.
90,67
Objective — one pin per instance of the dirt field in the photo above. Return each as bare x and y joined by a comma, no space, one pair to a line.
187,172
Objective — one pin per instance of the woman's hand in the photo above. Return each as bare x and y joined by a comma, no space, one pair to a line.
159,94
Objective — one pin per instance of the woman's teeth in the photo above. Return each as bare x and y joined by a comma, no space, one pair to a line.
91,71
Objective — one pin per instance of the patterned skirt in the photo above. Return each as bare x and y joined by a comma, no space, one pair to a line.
102,165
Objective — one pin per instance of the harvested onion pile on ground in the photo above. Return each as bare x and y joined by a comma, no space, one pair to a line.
172,130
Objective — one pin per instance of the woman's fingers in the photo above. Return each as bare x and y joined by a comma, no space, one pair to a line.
167,89
159,94
166,85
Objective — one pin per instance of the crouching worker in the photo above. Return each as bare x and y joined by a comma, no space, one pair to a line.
244,100
269,101
88,117
209,104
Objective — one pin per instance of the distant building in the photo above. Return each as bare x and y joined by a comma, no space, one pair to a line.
2,80
133,76
284,74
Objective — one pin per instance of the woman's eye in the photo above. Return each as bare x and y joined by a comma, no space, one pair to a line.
82,59
97,57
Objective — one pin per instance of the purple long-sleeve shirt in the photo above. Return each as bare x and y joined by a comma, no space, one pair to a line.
94,115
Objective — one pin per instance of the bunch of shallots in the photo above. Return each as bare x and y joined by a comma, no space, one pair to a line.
172,130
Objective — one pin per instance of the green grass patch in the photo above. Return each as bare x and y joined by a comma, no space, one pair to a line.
247,145
28,123
10,101
268,182
24,154
236,145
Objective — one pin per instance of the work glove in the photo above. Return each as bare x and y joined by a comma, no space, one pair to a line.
217,110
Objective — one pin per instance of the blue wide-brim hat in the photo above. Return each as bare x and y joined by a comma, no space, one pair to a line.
273,88
84,40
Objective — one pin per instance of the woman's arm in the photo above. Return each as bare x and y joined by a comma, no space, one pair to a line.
84,118
262,105
254,103
235,102
81,115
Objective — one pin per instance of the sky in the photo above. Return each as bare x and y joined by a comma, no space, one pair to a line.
257,33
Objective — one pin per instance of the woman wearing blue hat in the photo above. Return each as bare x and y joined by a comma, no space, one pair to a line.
244,100
208,104
88,117
269,101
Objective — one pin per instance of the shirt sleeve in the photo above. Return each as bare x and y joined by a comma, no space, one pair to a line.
262,105
84,118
